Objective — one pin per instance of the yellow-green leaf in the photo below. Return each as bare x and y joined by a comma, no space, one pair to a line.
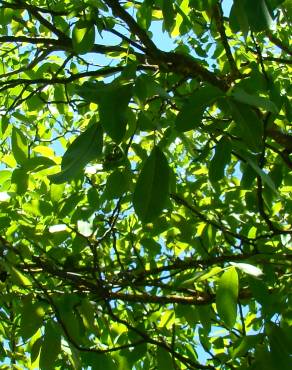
83,36
226,297
19,146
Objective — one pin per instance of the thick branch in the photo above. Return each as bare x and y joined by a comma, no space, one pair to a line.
168,61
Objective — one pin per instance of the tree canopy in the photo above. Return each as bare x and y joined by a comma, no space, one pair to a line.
145,185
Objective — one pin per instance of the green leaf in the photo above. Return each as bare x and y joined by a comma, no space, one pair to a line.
168,14
98,361
70,318
35,349
113,100
144,14
56,192
203,4
238,17
258,15
6,14
152,187
247,343
18,277
51,346
192,111
117,184
32,315
164,359
87,314
220,159
83,36
253,100
280,345
226,297
206,275
265,177
85,148
146,87
36,164
19,146
250,127
20,179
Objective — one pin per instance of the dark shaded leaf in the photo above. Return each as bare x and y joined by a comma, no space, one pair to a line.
254,100
192,111
98,361
113,100
168,14
51,346
258,15
85,148
220,159
164,360
20,179
152,187
117,184
250,127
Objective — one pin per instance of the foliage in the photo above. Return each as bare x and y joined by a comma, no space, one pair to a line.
144,194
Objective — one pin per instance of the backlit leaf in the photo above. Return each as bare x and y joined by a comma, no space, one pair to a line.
19,277
83,36
226,297
32,315
19,146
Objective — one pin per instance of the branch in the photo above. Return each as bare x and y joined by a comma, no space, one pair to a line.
120,12
276,41
37,8
65,45
167,61
183,202
188,66
218,14
64,80
285,140
283,154
261,205
277,60
32,10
